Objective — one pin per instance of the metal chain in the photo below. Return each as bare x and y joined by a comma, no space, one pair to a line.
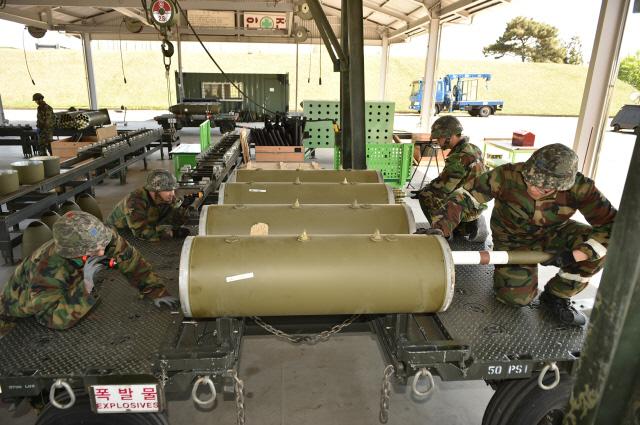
385,393
163,373
308,339
238,386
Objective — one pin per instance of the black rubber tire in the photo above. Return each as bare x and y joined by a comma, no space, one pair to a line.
636,130
485,111
436,110
226,126
80,414
616,127
522,402
473,112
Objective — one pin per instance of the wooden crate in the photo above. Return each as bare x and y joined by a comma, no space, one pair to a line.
280,153
66,149
106,132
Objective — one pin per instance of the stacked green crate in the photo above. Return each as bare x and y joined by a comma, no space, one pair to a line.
378,120
392,159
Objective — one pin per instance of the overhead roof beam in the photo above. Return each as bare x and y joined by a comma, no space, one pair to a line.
23,18
134,14
418,23
385,10
254,6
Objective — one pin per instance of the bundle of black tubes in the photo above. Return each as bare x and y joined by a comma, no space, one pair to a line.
281,131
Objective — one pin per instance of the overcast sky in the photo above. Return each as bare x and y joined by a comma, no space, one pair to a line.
571,17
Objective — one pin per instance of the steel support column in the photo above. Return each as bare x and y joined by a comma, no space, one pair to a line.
88,66
356,85
599,85
180,77
345,110
384,60
608,378
3,120
426,109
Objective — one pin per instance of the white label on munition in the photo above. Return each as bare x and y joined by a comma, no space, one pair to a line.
258,190
237,277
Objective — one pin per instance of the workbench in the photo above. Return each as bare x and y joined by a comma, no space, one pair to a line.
500,151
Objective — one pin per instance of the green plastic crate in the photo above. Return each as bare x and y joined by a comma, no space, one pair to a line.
205,135
182,159
378,116
393,160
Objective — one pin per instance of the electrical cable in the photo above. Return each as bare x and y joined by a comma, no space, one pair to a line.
24,50
121,58
320,64
310,55
184,14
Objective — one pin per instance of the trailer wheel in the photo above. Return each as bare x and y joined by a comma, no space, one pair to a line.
80,414
436,110
616,127
226,126
523,402
485,111
637,130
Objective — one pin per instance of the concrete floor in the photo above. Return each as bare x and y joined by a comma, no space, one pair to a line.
337,381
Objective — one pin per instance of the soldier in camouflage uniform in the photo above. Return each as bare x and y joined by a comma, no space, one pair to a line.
45,123
534,202
152,212
463,164
54,284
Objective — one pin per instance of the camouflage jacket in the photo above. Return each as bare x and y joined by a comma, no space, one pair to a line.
517,218
46,120
464,163
146,220
51,287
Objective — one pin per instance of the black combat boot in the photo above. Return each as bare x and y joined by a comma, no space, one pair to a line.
562,309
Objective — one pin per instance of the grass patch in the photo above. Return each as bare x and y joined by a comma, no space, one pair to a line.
529,88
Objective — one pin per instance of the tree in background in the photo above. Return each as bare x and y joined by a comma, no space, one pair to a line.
573,51
630,70
531,40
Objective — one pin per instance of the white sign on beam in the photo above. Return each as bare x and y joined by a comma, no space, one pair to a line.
269,21
211,18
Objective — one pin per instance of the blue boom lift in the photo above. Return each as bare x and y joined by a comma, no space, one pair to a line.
457,92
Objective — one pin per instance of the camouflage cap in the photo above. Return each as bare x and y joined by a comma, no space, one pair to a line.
37,96
446,126
552,167
78,233
160,181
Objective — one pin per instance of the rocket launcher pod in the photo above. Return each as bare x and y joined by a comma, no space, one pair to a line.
314,275
305,193
308,176
314,219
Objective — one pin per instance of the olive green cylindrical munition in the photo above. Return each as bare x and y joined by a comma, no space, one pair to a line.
29,172
294,219
305,193
51,164
314,275
9,181
309,176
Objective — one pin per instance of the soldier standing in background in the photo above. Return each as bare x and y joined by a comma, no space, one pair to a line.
534,202
152,212
55,283
463,164
45,123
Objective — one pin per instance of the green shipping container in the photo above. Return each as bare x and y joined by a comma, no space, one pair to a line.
268,90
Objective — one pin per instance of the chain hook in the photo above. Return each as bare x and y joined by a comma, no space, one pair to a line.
238,387
554,368
206,380
60,383
414,385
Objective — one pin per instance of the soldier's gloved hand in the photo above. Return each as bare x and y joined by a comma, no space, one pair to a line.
187,201
561,259
430,231
168,300
181,232
91,267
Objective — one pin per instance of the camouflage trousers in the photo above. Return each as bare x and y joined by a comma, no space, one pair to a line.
518,284
44,142
430,203
7,323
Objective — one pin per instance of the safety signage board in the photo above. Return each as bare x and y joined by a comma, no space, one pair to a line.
125,398
271,21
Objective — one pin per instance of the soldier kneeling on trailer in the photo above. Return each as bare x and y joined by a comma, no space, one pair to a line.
463,164
534,202
153,212
55,283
